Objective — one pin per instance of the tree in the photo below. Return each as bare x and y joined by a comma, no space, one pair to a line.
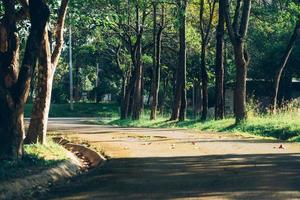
180,99
283,63
47,65
219,80
15,82
131,33
157,37
205,33
237,32
137,61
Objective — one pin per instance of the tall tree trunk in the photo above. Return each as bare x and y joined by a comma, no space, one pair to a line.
137,94
204,78
205,38
155,81
128,89
142,92
163,96
240,85
157,37
283,63
177,96
182,62
220,96
237,33
10,133
48,62
197,98
137,60
180,101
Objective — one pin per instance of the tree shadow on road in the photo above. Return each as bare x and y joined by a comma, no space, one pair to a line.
255,176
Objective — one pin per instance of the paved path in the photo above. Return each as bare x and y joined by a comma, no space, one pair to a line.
175,164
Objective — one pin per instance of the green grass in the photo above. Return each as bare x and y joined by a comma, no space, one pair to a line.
80,110
36,159
284,126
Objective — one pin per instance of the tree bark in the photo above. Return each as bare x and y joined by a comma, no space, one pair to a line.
197,98
128,89
48,62
180,102
155,81
205,38
137,94
11,118
283,63
204,78
237,33
157,37
14,88
163,96
39,116
240,85
137,60
219,87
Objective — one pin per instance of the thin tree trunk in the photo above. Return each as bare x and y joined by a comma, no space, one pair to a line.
128,90
220,96
177,96
182,63
204,78
180,101
155,81
283,63
137,94
157,37
163,96
205,38
197,98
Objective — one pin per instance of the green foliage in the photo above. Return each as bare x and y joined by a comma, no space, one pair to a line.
270,29
110,25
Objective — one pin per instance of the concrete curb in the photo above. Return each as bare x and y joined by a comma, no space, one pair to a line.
91,158
18,187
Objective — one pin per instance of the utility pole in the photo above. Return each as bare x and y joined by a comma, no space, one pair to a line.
71,69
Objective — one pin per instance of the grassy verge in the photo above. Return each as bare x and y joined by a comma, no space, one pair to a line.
80,110
36,159
284,126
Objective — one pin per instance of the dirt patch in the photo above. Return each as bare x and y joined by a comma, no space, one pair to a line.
184,165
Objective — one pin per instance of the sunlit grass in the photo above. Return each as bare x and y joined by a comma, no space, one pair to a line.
36,159
284,126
